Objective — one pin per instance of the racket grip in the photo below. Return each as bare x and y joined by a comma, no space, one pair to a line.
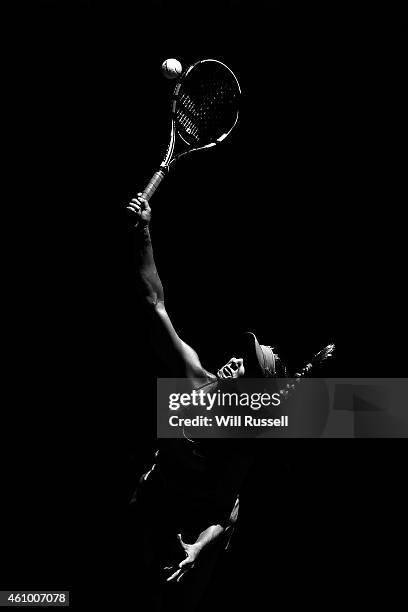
153,184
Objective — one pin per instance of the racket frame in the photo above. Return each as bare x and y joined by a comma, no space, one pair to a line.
169,159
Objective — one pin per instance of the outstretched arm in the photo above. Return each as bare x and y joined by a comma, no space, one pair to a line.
181,359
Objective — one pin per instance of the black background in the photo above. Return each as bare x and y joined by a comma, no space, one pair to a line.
293,229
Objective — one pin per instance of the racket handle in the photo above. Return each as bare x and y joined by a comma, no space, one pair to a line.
153,184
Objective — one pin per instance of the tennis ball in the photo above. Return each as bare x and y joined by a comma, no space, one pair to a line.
171,68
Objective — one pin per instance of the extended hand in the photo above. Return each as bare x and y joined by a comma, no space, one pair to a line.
140,209
192,551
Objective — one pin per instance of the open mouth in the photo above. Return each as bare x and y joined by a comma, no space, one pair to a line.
226,372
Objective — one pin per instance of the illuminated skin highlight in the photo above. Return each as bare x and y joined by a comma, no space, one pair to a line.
233,369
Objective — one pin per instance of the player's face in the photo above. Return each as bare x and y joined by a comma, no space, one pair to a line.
233,369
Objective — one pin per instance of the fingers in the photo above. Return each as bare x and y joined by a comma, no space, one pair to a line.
186,561
173,576
185,546
134,211
178,575
184,566
142,201
181,575
133,208
138,205
184,570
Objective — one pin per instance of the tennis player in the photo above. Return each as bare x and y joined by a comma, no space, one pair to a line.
188,502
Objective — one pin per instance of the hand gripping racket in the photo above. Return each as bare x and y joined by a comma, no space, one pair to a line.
203,113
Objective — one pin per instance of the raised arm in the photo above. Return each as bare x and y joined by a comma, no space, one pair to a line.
181,360
148,281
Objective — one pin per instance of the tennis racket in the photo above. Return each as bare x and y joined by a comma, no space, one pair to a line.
203,113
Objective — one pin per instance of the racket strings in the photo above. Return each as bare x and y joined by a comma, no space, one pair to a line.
207,108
